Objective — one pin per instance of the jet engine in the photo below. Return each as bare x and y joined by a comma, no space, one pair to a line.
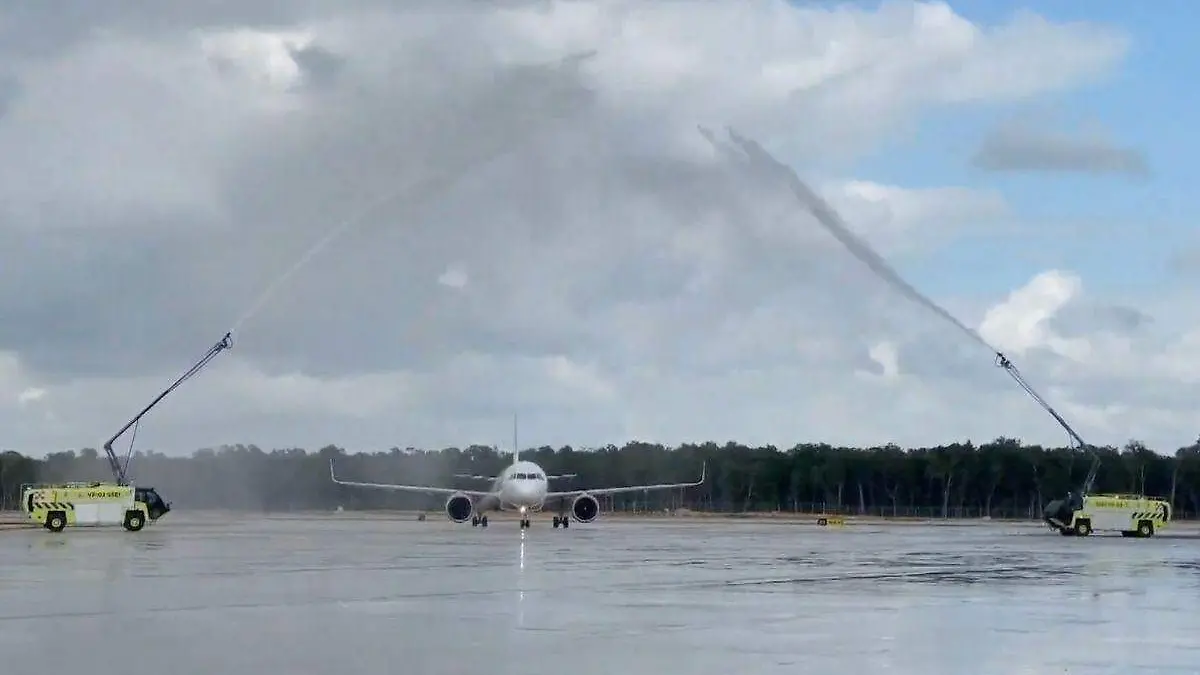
459,507
585,508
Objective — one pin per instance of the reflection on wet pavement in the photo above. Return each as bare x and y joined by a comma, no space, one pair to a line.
329,595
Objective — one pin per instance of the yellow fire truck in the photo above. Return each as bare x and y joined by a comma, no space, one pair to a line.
58,506
1131,515
62,505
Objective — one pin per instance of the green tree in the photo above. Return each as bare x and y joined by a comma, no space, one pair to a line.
1002,478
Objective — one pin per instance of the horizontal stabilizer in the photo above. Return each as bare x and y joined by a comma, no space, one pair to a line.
473,477
561,475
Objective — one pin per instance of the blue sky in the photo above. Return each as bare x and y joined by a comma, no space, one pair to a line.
1135,224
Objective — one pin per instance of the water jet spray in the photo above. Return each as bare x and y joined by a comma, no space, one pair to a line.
754,156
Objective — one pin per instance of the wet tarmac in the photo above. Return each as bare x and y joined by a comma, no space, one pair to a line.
201,594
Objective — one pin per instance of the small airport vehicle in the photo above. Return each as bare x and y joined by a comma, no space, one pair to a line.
58,506
1131,515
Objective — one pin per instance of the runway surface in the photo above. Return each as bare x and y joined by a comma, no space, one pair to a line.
202,594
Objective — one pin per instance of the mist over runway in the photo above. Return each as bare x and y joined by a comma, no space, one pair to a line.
207,593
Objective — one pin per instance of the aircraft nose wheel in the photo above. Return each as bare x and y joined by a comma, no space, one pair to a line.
524,523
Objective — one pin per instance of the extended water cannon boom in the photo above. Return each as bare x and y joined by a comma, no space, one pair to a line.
1002,361
743,151
118,470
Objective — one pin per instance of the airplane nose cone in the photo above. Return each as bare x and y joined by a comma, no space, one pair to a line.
515,493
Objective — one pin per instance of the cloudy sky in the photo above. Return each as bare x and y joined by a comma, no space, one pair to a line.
507,207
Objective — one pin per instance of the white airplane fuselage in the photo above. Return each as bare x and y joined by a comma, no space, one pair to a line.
521,487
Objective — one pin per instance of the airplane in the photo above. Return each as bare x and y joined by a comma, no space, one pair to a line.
523,487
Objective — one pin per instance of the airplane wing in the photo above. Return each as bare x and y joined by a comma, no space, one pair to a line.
404,488
629,488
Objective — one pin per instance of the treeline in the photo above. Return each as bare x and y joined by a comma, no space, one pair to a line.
1000,479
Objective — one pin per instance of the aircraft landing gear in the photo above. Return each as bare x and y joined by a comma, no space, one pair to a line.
524,523
561,520
479,521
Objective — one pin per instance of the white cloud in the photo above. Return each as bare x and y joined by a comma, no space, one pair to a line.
30,395
616,279
902,220
1018,324
264,58
454,276
884,354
